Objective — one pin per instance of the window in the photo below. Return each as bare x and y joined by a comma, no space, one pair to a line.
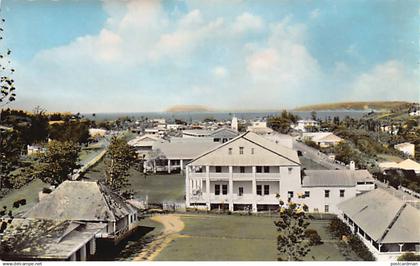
224,189
307,194
290,170
266,189
290,194
342,193
218,169
242,169
259,169
327,193
326,208
230,151
241,191
252,150
259,190
216,140
217,189
266,169
241,150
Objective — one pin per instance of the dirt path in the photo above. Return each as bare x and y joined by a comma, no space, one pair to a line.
172,226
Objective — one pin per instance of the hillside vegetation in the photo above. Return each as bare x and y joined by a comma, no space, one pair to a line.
377,105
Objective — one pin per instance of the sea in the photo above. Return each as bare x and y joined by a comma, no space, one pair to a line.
222,116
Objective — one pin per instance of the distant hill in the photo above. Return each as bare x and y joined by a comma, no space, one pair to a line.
188,108
379,105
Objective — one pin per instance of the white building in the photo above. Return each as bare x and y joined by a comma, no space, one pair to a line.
386,224
323,139
407,148
259,127
302,125
234,124
97,132
248,172
281,139
407,164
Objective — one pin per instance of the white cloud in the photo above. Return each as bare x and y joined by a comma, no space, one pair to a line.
247,22
220,72
315,13
387,81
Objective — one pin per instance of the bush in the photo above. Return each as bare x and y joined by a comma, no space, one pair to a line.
339,229
409,257
360,249
313,237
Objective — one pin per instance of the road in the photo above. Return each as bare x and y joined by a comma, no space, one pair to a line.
317,156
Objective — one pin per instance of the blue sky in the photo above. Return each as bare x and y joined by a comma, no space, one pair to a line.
123,56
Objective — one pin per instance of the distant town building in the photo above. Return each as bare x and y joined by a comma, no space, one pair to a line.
407,148
221,135
234,124
35,149
386,224
97,132
407,164
304,125
323,139
260,127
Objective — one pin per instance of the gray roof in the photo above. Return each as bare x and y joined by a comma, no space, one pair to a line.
81,201
184,150
46,239
385,218
335,178
266,153
218,133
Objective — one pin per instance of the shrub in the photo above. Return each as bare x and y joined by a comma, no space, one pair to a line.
409,257
313,237
338,228
360,249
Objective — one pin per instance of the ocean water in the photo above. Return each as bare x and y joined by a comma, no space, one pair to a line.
199,116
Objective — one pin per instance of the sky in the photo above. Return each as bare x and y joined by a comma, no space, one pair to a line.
138,56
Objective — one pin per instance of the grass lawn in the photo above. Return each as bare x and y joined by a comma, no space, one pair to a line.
158,187
241,238
29,192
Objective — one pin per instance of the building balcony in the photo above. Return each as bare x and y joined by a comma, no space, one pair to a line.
267,176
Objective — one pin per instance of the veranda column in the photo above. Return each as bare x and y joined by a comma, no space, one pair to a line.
83,253
181,163
169,166
92,246
254,189
187,187
230,188
208,186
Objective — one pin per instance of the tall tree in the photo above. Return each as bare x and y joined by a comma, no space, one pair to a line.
7,91
118,161
292,243
58,162
10,147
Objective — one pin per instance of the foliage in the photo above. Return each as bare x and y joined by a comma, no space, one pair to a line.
58,162
119,159
292,243
7,89
10,146
282,122
313,237
75,131
409,257
341,230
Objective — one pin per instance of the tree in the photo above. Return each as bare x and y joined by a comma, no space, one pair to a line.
58,162
313,115
7,91
292,243
282,122
10,147
118,161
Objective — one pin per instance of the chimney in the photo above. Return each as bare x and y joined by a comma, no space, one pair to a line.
352,166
